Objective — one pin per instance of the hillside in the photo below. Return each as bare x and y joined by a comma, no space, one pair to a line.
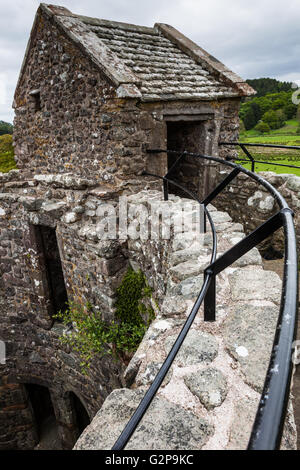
5,128
7,161
271,118
270,108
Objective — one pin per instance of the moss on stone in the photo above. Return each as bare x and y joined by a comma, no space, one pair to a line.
132,305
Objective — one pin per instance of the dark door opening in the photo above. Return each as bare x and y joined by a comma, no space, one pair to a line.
48,249
189,136
42,407
81,416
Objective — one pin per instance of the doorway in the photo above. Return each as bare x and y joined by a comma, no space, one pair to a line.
51,267
44,417
81,416
186,136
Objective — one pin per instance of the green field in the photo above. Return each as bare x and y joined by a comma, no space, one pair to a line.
287,135
7,161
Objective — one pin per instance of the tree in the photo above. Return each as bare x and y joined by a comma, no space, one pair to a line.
275,119
262,127
290,110
281,117
6,143
242,127
253,109
249,119
5,128
270,117
269,85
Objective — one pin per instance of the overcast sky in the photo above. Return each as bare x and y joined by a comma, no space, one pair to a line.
255,38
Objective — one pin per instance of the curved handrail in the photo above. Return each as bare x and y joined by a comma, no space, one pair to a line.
148,397
268,426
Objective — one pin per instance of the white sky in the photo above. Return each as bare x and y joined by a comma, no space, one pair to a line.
255,38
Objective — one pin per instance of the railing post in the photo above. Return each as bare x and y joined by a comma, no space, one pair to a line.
246,151
210,301
166,190
202,219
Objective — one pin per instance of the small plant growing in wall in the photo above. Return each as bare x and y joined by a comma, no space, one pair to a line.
87,334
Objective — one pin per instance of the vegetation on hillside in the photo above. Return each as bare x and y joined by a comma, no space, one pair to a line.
7,161
5,128
262,86
268,112
271,118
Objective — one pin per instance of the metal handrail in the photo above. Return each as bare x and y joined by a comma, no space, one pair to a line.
268,425
147,399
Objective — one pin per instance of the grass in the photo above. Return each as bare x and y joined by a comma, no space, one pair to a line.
7,162
287,135
275,169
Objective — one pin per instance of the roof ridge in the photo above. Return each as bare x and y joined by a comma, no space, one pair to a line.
117,24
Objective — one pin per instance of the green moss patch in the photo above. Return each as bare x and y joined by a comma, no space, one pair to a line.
89,335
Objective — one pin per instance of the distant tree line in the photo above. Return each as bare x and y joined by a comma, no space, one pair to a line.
268,85
271,110
5,128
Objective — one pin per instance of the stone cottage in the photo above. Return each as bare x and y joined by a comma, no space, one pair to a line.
92,97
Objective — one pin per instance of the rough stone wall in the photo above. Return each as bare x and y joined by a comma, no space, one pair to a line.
92,272
252,204
18,428
82,127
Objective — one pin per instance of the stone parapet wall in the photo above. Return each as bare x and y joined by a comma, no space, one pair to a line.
210,395
92,272
252,204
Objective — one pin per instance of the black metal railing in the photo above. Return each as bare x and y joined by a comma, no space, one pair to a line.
252,160
268,426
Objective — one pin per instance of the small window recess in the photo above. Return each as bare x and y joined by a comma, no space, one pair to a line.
36,95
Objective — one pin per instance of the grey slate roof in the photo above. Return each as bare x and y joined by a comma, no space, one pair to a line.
164,70
151,64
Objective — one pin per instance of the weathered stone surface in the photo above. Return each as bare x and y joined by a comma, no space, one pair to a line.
293,183
244,413
186,255
188,289
249,335
251,258
173,306
220,217
209,385
165,426
149,374
189,269
250,284
35,358
260,205
197,348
